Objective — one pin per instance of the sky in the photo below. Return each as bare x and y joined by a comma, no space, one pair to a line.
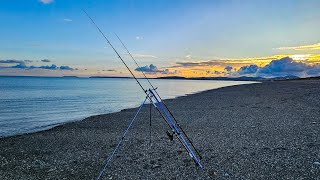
204,38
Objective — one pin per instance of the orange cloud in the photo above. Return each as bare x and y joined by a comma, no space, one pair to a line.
212,68
300,48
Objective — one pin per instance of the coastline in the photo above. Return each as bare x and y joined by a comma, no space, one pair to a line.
231,126
48,127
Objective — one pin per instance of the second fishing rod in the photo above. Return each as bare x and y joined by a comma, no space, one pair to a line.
155,90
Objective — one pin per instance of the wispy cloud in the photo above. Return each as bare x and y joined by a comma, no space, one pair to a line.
300,48
13,61
46,1
45,60
139,37
144,56
67,20
110,70
188,56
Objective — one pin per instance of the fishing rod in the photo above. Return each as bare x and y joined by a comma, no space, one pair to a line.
145,76
158,105
145,91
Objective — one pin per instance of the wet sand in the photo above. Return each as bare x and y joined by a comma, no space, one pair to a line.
269,130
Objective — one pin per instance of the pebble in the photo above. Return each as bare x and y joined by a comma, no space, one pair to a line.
316,163
155,166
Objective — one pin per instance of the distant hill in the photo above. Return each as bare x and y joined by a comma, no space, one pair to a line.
242,78
70,77
285,78
109,77
310,78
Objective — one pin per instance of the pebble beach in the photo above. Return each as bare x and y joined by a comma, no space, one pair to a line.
268,130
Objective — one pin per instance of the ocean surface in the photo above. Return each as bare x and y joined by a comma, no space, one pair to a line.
30,104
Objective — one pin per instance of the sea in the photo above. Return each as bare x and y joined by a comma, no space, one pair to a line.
31,104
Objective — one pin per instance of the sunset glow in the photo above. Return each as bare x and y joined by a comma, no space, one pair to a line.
211,39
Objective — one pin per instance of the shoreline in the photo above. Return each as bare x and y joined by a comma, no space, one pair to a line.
48,127
256,131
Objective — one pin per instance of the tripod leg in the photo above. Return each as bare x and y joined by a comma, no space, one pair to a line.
150,109
120,142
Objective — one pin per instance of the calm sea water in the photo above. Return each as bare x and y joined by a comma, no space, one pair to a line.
29,104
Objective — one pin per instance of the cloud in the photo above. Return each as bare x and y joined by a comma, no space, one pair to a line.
152,69
66,68
21,64
188,56
241,66
67,20
110,70
247,61
46,60
314,71
282,67
248,69
223,62
187,64
143,56
167,71
228,68
300,48
46,1
13,61
139,37
202,63
52,67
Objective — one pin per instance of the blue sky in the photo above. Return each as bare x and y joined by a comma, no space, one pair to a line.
159,32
